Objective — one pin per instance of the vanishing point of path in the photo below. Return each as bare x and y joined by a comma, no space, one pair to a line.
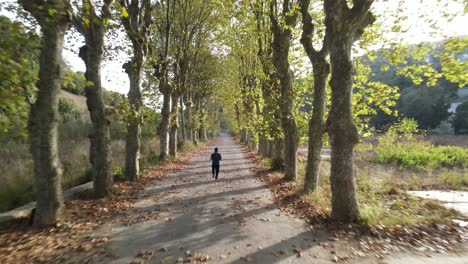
231,220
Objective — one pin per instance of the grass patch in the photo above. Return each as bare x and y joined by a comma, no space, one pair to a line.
385,202
404,145
454,179
383,199
17,167
422,154
15,193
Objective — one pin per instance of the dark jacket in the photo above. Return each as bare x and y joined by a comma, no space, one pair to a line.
215,157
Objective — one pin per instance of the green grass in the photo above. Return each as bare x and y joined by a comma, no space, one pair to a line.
382,199
17,167
404,144
454,179
422,154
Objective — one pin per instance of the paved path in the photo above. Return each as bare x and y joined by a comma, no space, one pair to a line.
232,219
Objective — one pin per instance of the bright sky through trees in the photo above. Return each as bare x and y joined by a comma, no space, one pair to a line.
425,23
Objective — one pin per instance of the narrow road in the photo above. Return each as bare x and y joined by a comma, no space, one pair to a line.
231,220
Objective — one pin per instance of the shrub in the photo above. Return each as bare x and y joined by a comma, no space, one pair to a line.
402,144
277,164
68,110
118,173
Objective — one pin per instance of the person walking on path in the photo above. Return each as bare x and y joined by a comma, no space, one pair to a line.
215,157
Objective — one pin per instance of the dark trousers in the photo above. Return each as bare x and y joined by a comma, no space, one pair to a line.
215,168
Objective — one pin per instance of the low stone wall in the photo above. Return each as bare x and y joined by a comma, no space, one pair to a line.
25,210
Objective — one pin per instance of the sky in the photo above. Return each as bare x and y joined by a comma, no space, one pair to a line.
417,30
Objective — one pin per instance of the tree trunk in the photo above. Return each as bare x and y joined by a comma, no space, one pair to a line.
100,132
43,121
316,127
164,127
188,122
195,135
269,149
262,146
278,153
174,126
321,70
343,26
132,146
343,134
281,43
137,25
183,132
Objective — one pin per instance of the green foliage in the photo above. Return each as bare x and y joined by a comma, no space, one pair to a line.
402,145
68,110
428,105
453,67
460,120
383,198
151,122
18,68
418,72
74,82
118,173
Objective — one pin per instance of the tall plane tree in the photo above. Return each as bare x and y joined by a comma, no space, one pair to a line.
344,25
93,27
164,9
270,139
137,20
54,18
321,70
282,24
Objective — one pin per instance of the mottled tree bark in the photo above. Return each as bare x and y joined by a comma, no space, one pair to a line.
174,125
343,26
188,122
262,145
132,143
281,43
202,130
321,70
138,26
91,54
164,125
43,118
161,73
182,123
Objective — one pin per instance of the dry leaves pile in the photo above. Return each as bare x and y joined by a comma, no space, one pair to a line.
73,241
372,238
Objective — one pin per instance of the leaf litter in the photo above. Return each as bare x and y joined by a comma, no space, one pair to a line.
73,240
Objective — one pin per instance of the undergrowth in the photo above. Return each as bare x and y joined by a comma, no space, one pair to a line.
16,163
404,145
382,200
